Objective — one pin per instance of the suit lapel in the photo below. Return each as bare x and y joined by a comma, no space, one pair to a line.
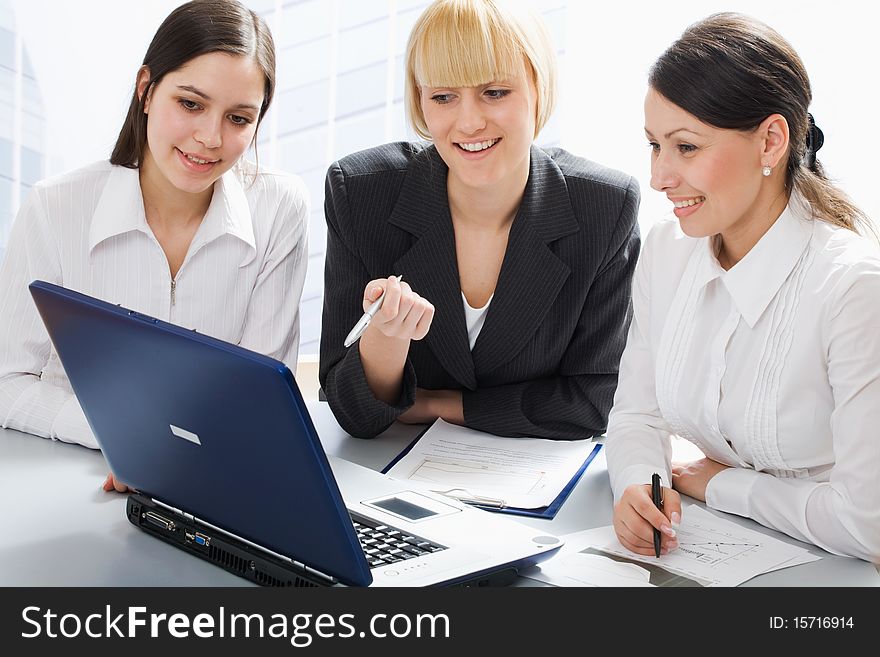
531,274
430,265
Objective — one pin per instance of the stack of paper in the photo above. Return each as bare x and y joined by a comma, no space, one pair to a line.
711,551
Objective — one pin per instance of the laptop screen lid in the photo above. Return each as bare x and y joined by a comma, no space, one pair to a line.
204,426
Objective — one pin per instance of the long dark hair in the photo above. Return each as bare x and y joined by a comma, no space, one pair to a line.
732,71
196,28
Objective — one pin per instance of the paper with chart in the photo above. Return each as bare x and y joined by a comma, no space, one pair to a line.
525,473
712,551
715,551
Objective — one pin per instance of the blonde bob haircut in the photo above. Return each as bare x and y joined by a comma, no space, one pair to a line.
470,43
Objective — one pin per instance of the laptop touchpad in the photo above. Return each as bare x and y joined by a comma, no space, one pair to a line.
410,506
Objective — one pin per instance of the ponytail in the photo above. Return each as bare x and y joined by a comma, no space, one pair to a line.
830,203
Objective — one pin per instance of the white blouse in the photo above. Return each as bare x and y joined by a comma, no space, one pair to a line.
241,279
772,367
474,319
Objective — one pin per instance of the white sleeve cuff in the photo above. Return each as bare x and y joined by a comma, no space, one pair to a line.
731,491
637,474
71,426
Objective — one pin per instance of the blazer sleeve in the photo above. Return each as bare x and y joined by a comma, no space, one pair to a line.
341,371
575,403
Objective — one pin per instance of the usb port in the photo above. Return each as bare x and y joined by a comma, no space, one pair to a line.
198,538
159,521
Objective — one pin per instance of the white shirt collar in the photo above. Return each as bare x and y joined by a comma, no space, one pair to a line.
755,280
121,209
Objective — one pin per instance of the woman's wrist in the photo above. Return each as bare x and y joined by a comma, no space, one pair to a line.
383,360
447,404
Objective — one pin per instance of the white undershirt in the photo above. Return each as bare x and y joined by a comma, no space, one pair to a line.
474,319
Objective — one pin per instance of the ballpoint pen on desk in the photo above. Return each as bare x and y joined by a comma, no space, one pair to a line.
364,321
657,496
464,495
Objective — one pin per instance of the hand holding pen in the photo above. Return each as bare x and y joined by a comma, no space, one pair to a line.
644,513
391,306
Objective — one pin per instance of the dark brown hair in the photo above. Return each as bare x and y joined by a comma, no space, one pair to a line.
196,28
732,71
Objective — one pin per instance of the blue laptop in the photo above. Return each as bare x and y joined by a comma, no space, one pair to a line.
227,464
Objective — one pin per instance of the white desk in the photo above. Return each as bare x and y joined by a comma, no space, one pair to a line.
58,528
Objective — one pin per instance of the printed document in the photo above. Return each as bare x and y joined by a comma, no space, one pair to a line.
712,551
525,473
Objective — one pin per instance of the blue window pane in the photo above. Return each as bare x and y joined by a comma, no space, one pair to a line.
31,166
303,107
5,158
7,48
28,68
358,12
305,21
7,90
310,330
304,63
314,283
360,131
363,45
303,150
361,90
317,231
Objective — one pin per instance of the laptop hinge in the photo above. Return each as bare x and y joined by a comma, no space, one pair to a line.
329,579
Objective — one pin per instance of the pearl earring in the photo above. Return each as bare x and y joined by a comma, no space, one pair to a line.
766,170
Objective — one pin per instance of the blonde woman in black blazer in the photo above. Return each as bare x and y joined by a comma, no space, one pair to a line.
538,245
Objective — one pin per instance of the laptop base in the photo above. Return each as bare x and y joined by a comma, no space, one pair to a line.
243,560
234,557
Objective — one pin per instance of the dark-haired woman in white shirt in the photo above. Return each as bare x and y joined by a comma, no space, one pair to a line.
176,225
756,330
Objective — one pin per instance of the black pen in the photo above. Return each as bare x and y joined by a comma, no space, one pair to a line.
657,496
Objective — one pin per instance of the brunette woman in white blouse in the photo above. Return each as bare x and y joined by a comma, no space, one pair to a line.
756,330
176,225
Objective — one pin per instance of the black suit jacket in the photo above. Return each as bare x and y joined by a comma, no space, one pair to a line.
546,360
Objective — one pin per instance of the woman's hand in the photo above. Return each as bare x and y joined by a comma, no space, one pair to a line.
691,479
384,346
111,483
636,516
404,314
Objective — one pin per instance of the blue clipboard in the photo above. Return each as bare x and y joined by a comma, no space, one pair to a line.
548,512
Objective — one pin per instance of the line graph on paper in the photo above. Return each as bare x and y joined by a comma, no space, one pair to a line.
715,550
704,547
478,477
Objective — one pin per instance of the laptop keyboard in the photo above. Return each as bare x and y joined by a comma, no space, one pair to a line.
383,544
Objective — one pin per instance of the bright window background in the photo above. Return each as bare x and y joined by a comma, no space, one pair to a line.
67,71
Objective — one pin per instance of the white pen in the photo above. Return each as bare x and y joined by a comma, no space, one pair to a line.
469,498
364,321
